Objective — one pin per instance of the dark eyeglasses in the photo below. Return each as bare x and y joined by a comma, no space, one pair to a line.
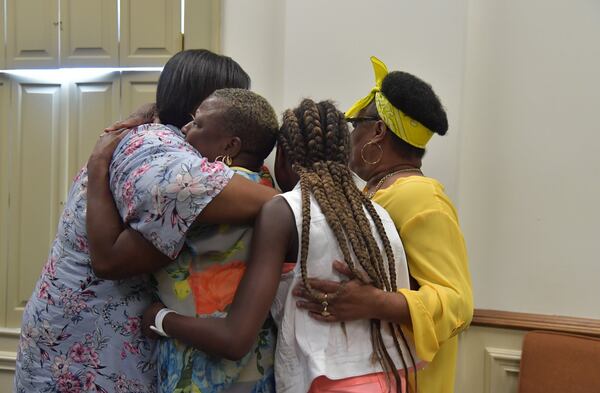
355,121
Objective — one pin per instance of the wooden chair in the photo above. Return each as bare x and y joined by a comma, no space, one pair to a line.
559,363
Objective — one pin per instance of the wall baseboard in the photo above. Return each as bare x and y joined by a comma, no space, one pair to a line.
526,321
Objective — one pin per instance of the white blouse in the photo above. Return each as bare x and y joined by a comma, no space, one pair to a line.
307,348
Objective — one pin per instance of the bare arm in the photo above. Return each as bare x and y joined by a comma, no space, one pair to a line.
233,336
238,203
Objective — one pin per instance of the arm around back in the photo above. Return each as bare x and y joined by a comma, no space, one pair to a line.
119,252
239,202
160,190
233,336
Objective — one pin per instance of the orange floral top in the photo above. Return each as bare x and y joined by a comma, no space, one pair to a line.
202,282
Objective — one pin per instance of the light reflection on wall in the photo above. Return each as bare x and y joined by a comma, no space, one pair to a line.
72,74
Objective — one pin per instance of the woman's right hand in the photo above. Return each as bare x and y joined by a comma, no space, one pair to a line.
105,147
143,115
352,300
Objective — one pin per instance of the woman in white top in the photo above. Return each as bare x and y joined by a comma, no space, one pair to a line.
323,216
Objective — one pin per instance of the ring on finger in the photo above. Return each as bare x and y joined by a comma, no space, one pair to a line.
324,312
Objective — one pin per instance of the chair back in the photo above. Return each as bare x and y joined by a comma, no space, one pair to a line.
559,363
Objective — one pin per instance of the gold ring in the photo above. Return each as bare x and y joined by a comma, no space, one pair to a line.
324,312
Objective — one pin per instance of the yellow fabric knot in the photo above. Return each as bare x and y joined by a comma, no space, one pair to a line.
405,127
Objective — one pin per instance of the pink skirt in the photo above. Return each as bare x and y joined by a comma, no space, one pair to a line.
370,383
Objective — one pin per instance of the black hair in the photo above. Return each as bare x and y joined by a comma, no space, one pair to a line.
416,99
189,78
250,117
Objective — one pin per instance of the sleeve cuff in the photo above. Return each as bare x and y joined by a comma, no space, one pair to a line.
423,327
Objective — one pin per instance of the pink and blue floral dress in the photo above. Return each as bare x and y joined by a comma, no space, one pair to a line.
81,333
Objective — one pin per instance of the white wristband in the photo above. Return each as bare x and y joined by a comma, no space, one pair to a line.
158,322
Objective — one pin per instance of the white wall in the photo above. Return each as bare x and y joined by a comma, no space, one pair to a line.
328,45
518,78
294,49
320,49
529,163
252,34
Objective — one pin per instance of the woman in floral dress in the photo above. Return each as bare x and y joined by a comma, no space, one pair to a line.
202,281
80,331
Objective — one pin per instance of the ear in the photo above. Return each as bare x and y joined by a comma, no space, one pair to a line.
380,131
284,174
233,147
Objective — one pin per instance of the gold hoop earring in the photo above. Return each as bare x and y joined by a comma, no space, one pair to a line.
225,159
362,153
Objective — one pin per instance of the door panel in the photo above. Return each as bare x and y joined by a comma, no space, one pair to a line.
89,33
93,105
137,88
32,33
202,24
4,176
150,31
37,186
2,28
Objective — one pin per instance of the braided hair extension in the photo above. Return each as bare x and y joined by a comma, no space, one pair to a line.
316,141
359,200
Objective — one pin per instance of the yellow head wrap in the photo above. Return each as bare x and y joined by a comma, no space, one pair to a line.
406,128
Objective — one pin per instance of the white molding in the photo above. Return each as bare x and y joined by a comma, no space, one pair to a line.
501,373
10,332
8,361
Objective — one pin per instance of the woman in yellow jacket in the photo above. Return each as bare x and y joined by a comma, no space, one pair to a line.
392,125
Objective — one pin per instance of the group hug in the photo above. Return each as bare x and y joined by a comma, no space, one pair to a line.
182,265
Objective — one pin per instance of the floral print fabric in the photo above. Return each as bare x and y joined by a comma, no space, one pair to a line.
81,333
202,282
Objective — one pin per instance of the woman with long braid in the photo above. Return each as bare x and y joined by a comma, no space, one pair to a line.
312,162
321,217
392,126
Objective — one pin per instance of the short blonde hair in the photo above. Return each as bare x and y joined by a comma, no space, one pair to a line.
250,117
